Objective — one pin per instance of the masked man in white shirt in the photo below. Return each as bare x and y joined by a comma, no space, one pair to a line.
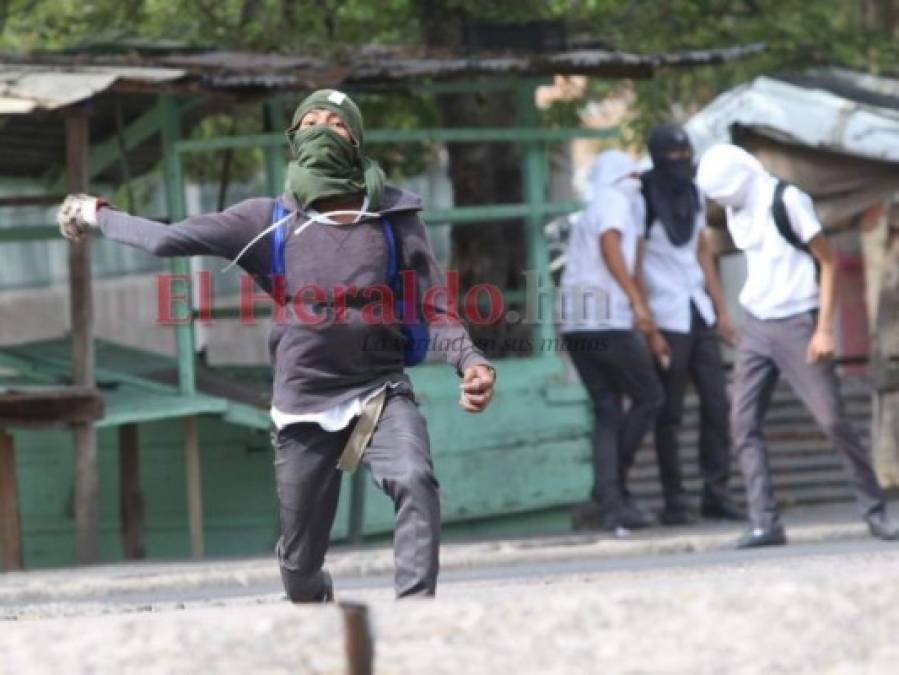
600,306
688,306
787,330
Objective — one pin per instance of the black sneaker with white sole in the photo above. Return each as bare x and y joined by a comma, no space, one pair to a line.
881,527
759,536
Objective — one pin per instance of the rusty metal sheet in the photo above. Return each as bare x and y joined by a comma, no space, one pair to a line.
243,62
25,88
809,116
29,82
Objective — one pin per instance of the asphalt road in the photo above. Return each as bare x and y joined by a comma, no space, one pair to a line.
642,567
803,608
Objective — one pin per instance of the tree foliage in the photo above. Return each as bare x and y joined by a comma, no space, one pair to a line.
860,34
855,33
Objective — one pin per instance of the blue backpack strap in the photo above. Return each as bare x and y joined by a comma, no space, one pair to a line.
416,333
393,267
278,240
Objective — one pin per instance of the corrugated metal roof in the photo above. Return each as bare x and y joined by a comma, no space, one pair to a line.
860,87
807,112
123,86
54,80
24,88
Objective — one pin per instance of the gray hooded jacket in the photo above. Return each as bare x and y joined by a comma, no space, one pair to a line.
320,363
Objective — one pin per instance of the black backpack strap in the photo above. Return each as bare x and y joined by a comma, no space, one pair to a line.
650,212
782,218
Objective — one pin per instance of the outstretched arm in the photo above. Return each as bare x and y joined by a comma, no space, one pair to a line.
217,234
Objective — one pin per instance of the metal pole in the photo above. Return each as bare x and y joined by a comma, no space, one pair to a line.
533,170
392,136
357,506
81,317
275,122
184,334
174,192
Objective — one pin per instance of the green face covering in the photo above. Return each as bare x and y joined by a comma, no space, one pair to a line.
325,163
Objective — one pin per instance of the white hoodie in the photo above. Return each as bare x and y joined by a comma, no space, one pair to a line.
780,280
591,299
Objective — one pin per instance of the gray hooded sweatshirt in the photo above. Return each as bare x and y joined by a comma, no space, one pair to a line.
320,363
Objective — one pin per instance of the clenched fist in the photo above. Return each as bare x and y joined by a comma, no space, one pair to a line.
77,216
477,388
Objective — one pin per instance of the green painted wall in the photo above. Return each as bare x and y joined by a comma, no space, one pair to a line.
500,472
237,485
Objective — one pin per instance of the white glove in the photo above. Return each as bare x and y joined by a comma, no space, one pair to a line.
77,216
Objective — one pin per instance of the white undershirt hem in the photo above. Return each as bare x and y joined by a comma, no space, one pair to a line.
332,419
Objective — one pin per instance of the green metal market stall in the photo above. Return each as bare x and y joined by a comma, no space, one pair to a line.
178,462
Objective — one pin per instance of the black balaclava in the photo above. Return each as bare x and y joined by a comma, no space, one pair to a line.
668,186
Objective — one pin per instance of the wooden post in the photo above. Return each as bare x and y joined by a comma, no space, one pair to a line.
81,316
194,486
880,251
358,640
10,526
884,351
131,503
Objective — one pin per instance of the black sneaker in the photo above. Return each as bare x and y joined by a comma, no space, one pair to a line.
328,590
631,517
326,594
672,516
881,528
775,536
721,509
587,516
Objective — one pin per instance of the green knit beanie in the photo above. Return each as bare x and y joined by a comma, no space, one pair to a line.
336,102
326,164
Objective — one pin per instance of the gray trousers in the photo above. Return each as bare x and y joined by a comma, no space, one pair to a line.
308,484
766,350
613,363
696,357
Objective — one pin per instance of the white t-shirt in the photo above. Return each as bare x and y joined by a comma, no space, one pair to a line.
590,298
674,279
780,279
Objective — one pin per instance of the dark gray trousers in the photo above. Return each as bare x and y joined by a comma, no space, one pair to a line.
308,484
766,350
613,363
696,357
